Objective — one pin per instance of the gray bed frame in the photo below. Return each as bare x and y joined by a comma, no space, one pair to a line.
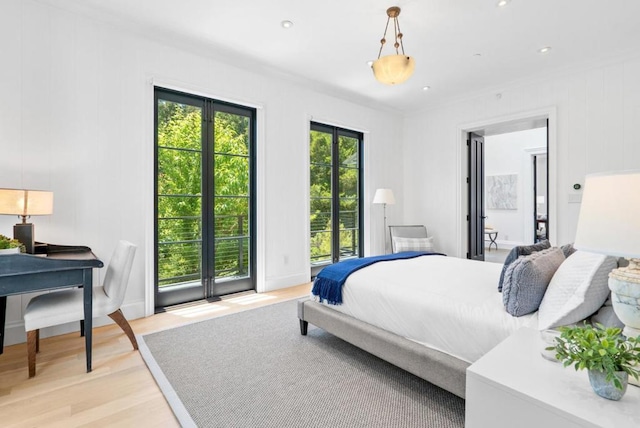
434,366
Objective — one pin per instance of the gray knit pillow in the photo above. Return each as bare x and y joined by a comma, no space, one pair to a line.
520,250
526,280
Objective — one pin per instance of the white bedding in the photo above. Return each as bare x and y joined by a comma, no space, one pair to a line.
446,303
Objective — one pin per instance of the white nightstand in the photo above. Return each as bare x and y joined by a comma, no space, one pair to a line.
514,386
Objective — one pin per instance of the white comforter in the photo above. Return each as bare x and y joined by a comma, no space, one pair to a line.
446,303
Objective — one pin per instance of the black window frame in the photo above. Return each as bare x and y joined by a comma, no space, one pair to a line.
210,288
337,132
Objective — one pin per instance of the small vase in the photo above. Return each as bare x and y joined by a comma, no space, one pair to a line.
606,389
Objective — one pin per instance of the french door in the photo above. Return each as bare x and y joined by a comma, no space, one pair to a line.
335,195
204,198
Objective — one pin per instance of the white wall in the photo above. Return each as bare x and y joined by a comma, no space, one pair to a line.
506,154
597,112
76,117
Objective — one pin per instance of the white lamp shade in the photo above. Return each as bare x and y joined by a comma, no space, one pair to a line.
26,202
393,69
609,221
384,196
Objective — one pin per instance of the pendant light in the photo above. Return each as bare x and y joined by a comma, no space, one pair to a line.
393,69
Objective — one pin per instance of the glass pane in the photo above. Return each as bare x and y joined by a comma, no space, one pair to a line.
179,206
231,198
320,181
348,243
320,149
231,216
179,172
232,257
179,200
348,182
179,229
231,133
231,175
179,262
348,213
179,125
320,247
320,215
348,151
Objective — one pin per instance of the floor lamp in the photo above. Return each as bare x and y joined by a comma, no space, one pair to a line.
384,197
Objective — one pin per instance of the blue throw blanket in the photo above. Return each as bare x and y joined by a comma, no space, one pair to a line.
328,284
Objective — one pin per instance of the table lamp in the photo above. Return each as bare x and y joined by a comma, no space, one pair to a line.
609,223
25,203
384,197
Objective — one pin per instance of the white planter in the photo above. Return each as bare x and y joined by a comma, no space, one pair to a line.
9,251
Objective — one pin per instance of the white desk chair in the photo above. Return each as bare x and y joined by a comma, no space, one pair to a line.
66,306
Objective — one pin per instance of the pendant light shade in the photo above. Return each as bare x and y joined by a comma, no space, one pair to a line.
393,69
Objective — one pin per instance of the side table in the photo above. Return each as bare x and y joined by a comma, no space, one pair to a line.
514,386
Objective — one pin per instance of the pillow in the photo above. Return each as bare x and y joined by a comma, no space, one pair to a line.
412,244
578,289
521,250
526,280
568,249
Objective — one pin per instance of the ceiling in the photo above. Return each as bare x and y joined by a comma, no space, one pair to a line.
460,46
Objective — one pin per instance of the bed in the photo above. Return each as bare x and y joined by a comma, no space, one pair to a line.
432,315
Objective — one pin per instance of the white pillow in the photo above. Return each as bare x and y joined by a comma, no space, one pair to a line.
412,244
578,289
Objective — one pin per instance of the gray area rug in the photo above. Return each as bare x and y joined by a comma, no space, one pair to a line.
254,369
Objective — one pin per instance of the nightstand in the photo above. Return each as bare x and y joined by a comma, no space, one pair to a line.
514,386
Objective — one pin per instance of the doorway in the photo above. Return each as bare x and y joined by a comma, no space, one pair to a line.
510,188
204,235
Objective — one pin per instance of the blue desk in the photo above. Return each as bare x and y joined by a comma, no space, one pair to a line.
62,267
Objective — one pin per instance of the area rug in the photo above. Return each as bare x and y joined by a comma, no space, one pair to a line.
255,369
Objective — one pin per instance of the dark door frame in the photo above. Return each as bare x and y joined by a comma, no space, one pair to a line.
475,180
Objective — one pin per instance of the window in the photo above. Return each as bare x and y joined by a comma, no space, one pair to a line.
204,198
335,194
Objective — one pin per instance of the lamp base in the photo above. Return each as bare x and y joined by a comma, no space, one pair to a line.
23,232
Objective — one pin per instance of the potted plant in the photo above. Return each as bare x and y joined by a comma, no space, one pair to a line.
608,356
8,245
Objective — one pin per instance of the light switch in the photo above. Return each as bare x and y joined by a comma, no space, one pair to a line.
575,198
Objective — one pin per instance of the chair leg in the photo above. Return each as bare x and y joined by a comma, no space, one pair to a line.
124,325
37,341
32,340
81,328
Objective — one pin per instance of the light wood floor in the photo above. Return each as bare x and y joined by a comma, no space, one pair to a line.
120,391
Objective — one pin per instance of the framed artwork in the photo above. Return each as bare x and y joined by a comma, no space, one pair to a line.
502,192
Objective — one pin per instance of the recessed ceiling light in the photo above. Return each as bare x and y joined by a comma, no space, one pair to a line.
503,3
426,88
544,50
477,55
370,63
286,24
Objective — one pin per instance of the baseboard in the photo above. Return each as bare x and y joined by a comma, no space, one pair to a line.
15,333
272,284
